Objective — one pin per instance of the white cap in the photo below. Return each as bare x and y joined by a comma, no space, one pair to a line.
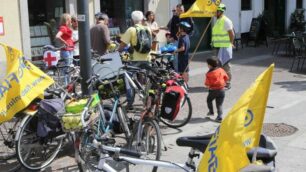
137,16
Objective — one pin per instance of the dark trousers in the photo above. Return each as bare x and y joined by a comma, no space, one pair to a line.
219,96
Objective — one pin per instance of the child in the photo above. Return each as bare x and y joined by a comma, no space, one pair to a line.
216,79
170,47
183,50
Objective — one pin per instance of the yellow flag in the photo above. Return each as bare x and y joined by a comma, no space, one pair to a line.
226,151
22,84
202,8
257,108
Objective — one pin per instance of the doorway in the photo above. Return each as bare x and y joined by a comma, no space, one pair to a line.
275,15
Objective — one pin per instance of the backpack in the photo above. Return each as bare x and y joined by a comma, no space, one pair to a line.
171,103
144,40
48,120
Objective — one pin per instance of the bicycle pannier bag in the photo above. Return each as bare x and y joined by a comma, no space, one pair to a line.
48,120
172,102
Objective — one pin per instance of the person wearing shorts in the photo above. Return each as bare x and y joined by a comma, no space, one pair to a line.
183,50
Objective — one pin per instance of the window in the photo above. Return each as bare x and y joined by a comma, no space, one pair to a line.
246,5
299,4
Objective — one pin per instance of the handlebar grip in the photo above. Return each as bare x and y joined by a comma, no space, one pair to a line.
130,152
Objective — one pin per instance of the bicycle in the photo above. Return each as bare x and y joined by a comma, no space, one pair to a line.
7,144
197,144
35,152
160,79
56,67
144,130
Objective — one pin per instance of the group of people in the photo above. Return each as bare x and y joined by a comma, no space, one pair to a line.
180,29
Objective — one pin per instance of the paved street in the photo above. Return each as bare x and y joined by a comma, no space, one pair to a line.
286,105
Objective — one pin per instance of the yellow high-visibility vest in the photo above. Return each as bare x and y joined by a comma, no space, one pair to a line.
220,37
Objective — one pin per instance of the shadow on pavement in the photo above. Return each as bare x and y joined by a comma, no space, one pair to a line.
197,90
73,168
293,85
10,165
199,120
169,131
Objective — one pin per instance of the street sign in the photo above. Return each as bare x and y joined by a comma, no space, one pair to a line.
81,18
1,26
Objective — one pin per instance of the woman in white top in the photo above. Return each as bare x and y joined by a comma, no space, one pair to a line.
151,23
75,36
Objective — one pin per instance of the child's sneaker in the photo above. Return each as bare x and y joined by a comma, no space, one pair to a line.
218,119
210,114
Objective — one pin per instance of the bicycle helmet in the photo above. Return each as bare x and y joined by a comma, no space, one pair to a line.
221,7
185,25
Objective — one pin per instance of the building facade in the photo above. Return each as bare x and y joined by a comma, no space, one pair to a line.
23,22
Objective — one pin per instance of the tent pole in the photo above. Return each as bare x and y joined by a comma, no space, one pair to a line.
199,42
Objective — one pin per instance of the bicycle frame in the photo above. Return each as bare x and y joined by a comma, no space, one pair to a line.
188,166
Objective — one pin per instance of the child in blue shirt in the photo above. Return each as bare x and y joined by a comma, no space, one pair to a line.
183,50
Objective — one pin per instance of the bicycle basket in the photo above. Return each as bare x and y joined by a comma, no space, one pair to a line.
109,88
77,106
71,122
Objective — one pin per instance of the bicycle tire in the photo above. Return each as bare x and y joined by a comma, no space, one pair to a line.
8,159
28,155
89,156
7,136
144,145
180,120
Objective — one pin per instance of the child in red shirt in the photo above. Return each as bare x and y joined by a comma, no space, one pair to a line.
216,79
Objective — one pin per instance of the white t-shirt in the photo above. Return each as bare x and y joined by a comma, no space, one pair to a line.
228,24
75,37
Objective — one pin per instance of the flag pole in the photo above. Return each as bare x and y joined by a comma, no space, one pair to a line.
199,42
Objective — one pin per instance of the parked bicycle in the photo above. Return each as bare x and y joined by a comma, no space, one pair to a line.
141,134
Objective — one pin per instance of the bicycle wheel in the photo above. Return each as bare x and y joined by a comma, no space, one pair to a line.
33,152
183,116
89,155
147,140
8,160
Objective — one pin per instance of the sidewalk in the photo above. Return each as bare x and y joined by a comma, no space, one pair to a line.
286,105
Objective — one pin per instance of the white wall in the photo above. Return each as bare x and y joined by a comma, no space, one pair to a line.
246,19
242,19
257,7
232,12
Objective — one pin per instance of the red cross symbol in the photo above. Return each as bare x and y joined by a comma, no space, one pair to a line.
49,59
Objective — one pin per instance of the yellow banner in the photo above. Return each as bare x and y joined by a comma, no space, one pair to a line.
202,8
226,151
22,84
257,108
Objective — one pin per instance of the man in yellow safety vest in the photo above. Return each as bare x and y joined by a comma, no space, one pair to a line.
222,39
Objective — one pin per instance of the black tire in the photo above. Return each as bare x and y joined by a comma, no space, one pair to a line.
183,116
89,156
29,146
149,145
8,159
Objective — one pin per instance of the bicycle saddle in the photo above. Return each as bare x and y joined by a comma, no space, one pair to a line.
197,142
266,151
